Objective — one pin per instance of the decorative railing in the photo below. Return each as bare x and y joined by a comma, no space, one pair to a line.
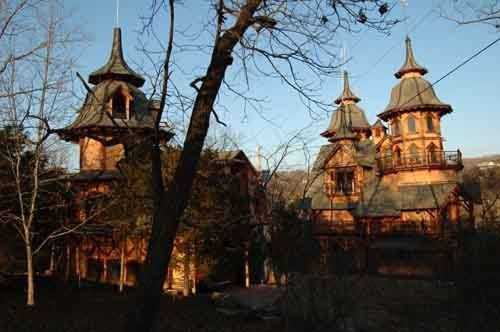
390,228
428,159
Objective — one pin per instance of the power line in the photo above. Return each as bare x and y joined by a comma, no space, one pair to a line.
413,28
457,67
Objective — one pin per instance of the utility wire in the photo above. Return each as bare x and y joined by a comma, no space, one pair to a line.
457,67
408,31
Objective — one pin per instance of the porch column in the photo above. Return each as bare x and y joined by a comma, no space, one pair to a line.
247,270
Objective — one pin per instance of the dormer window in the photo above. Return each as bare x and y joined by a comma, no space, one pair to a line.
395,128
120,105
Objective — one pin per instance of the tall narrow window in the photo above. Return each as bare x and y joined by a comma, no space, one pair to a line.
119,105
430,123
395,128
414,157
344,181
412,124
397,156
377,132
432,153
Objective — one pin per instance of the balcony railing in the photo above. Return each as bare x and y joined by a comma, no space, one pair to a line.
428,159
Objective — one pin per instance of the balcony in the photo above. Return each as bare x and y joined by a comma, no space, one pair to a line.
425,160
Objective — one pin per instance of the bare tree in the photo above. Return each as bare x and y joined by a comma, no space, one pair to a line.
274,37
35,94
464,12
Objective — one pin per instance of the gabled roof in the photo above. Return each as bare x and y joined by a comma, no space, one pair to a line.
116,67
235,156
379,124
324,154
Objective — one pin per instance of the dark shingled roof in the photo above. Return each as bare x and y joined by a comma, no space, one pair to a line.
347,94
324,154
355,116
410,65
116,67
425,196
413,92
94,111
365,153
348,117
381,200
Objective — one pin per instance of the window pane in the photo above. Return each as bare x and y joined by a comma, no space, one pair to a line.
430,124
119,108
412,126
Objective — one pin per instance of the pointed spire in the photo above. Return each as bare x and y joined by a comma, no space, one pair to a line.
347,94
116,68
410,65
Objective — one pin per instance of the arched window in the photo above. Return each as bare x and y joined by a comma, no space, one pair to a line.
412,124
432,154
397,156
119,104
414,154
395,128
430,123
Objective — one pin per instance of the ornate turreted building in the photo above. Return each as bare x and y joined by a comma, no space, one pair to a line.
388,195
114,128
115,118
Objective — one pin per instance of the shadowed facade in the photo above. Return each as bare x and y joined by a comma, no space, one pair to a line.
390,197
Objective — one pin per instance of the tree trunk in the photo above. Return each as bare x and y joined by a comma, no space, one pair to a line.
122,263
169,206
30,295
187,274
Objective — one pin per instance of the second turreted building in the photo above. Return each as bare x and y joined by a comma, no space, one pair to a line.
389,188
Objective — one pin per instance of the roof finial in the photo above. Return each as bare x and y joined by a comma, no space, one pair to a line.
116,67
410,65
347,94
117,23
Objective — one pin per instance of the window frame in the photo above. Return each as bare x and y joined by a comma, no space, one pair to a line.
429,119
411,124
345,181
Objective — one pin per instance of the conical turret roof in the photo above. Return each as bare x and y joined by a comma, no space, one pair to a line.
413,92
410,65
348,109
347,93
116,68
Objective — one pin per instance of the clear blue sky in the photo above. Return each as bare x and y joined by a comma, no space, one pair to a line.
439,45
